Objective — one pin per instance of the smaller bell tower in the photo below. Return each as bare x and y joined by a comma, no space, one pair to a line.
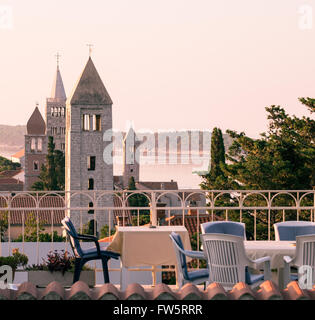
35,148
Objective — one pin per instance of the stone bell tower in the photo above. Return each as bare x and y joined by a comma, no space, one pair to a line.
88,116
131,166
56,111
35,148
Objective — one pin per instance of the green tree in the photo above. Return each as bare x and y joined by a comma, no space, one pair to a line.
137,199
215,178
6,164
283,158
52,175
3,224
104,232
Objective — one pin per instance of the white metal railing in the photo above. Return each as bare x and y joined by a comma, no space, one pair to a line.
188,207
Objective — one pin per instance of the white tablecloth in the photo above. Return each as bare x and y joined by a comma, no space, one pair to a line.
276,250
144,246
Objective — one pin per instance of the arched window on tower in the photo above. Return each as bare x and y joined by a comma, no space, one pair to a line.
91,211
91,184
33,144
39,144
36,165
62,112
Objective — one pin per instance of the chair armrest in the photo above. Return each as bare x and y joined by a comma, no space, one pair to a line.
267,270
261,260
287,259
92,238
195,254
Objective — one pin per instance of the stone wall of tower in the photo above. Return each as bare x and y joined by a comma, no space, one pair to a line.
31,175
79,145
131,167
56,122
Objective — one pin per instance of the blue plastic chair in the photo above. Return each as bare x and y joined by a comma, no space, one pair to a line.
183,275
289,230
83,256
224,227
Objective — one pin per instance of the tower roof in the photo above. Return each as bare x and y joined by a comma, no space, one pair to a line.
36,124
58,90
90,89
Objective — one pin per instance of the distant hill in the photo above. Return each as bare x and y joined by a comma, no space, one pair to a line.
11,139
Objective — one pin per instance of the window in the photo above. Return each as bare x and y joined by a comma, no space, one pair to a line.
91,184
56,112
63,146
52,111
39,144
91,163
33,144
36,165
62,112
59,112
91,206
96,122
86,122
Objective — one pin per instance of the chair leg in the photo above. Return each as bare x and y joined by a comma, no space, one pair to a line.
77,269
105,270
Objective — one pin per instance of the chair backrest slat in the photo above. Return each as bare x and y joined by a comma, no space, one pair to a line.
225,258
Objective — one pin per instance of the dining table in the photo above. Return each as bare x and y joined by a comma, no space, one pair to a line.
276,250
147,246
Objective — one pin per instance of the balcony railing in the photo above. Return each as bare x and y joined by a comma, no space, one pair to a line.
258,209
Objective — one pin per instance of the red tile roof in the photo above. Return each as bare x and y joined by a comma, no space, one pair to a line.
80,291
44,216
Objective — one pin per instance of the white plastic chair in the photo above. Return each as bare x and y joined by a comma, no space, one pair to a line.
304,256
227,261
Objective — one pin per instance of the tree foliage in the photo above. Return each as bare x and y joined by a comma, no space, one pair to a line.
6,164
52,175
283,158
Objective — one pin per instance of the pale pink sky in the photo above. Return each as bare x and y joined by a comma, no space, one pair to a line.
178,64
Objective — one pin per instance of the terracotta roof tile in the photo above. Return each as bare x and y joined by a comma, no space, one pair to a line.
215,291
294,292
10,173
162,292
27,291
241,291
190,292
19,154
79,291
45,216
135,291
268,291
54,291
107,292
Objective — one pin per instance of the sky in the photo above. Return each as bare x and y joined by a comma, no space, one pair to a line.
167,64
